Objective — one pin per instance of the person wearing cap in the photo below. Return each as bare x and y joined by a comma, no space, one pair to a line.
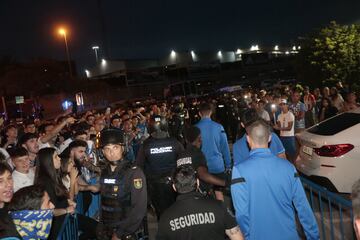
214,145
285,124
29,141
241,149
194,156
123,191
157,156
195,217
267,191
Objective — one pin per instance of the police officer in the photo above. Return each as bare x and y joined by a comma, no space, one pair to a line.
123,191
177,122
194,217
157,156
214,145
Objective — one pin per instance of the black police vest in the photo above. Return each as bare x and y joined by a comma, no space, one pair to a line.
160,156
115,195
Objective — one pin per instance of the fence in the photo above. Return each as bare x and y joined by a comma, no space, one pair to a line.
333,212
69,229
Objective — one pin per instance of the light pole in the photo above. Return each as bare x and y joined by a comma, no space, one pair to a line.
62,32
96,48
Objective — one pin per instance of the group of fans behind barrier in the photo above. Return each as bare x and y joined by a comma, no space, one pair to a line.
169,158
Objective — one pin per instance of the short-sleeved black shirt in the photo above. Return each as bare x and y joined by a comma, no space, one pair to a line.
193,217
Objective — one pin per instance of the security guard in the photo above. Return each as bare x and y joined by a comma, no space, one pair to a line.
157,156
267,191
214,145
194,217
194,156
123,191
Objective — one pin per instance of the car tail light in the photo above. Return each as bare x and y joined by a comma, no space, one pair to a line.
333,150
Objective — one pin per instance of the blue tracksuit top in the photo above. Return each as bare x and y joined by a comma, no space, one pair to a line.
214,145
265,189
241,151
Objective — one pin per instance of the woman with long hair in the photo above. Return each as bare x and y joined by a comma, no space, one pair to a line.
48,175
69,176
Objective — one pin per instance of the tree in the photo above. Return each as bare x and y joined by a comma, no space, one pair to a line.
333,54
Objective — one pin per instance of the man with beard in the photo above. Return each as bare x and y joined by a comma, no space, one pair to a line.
29,141
77,154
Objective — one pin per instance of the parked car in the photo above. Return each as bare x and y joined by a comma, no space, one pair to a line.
330,152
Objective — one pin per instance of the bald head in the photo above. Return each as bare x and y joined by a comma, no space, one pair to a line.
258,134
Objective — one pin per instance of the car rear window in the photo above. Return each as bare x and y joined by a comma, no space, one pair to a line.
336,124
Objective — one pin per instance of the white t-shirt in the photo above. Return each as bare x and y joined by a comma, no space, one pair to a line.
23,180
264,115
284,119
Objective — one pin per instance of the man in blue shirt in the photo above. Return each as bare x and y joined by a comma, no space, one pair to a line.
214,145
241,148
267,191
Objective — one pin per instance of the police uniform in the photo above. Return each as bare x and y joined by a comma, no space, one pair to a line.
123,195
123,200
193,217
266,191
177,124
157,156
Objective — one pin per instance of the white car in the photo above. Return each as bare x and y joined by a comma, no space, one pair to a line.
330,152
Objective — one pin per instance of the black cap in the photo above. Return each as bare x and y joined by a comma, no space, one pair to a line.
110,136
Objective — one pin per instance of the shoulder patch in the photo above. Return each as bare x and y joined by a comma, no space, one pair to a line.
237,180
138,183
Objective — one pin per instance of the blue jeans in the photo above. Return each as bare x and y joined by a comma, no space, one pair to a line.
289,145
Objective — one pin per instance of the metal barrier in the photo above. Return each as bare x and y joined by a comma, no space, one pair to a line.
333,213
69,229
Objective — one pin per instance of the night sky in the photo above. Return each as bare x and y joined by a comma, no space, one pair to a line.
151,28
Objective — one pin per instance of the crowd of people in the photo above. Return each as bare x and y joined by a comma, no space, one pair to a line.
172,157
